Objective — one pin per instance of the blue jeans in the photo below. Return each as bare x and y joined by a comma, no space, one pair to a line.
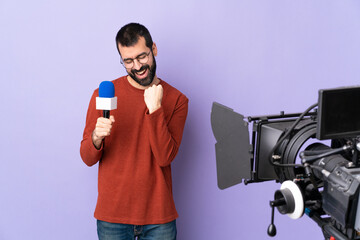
118,231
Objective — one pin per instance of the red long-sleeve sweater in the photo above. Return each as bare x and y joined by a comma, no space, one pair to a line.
134,180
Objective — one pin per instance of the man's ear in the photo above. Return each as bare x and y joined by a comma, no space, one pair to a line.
154,49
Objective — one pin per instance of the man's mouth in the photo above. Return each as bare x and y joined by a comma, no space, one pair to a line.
142,74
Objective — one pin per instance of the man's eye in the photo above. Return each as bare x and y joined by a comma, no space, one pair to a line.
142,56
128,61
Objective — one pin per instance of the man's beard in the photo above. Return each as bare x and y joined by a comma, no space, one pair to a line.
150,77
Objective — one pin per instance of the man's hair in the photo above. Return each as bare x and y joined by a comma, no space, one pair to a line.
129,35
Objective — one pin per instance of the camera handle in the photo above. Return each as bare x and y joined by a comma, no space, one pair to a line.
288,200
285,203
272,229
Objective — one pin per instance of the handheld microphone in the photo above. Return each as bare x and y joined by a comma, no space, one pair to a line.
106,100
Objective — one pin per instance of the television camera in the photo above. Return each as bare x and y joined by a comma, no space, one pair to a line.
318,178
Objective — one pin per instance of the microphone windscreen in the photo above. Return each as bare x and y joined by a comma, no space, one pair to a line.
106,89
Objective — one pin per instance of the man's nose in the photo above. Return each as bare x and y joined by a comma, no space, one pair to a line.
137,64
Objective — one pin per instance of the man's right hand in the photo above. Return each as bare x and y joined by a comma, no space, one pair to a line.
102,129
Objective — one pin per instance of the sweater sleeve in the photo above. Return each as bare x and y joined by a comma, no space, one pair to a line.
165,138
89,154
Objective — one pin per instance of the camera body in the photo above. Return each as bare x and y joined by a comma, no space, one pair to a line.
321,180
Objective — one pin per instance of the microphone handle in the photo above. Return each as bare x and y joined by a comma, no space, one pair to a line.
106,113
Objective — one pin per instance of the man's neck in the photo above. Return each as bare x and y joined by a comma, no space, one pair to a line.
138,86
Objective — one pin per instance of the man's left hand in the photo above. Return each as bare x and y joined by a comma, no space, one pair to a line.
153,97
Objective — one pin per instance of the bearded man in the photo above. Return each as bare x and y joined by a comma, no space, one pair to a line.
136,145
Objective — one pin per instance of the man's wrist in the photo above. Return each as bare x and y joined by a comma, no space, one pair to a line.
96,140
151,110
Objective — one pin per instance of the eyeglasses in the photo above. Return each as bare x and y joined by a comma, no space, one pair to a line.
129,62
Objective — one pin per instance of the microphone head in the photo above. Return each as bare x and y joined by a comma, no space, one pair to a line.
106,89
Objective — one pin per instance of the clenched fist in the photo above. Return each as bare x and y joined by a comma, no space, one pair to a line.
102,129
153,97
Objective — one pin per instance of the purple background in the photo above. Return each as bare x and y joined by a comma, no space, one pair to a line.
258,57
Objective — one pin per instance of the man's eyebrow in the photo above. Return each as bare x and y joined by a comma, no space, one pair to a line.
125,59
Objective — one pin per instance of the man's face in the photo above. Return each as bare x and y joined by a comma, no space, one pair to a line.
142,73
